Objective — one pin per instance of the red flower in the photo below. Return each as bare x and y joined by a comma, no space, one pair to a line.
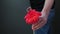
32,16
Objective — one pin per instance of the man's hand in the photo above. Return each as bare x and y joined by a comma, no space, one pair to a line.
42,21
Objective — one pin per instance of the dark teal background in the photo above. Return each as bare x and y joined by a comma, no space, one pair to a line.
12,17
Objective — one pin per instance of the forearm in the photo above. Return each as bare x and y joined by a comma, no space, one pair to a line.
47,6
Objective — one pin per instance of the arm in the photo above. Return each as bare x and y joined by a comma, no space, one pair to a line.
45,12
47,6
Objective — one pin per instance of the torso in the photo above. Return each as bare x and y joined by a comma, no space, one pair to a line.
38,4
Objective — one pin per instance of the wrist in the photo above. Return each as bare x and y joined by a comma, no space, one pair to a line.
45,14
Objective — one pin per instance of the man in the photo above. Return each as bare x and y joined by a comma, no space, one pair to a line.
46,7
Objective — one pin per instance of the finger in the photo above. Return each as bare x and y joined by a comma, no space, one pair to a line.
36,27
40,19
39,25
33,26
29,8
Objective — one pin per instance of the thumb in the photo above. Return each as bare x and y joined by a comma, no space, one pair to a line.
29,8
40,17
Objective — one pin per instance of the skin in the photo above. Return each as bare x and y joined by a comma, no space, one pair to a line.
43,18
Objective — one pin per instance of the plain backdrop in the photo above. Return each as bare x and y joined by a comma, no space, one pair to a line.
12,17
